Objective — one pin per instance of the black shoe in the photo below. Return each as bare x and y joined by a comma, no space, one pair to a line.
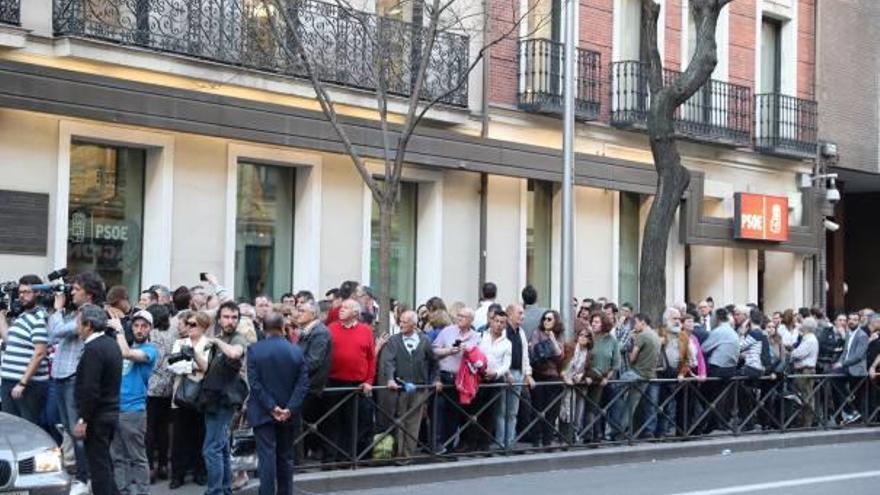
162,473
175,483
201,479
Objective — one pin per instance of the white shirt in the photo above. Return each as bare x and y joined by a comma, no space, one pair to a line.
789,336
806,354
411,342
849,343
498,353
481,315
706,321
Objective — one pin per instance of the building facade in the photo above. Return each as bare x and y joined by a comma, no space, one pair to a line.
148,141
851,123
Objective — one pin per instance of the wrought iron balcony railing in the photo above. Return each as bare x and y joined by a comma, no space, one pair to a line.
718,111
786,125
10,12
541,81
345,46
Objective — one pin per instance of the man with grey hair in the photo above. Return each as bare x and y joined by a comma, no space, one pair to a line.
803,361
314,341
449,346
741,319
97,388
352,365
409,363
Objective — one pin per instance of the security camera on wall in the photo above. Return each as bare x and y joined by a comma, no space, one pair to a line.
832,195
831,225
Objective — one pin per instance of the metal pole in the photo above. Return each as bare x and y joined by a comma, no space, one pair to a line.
567,265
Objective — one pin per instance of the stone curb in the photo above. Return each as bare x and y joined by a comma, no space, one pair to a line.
368,478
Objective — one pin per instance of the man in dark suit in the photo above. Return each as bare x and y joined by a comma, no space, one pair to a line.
278,380
98,380
314,341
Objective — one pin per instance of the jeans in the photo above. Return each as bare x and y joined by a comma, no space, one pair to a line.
505,413
69,417
30,405
216,451
649,407
129,453
51,416
619,410
669,418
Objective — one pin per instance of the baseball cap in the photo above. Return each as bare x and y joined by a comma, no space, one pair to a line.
144,315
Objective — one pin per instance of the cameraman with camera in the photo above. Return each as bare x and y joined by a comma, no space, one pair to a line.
87,288
24,368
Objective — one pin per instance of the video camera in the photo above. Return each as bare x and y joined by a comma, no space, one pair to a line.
9,298
57,283
45,293
186,353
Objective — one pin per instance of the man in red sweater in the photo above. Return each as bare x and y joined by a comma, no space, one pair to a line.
352,365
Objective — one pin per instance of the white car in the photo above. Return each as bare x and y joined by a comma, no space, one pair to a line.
30,461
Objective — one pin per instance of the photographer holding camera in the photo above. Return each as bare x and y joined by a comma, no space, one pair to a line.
87,288
24,368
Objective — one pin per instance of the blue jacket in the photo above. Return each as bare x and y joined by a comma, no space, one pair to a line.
278,376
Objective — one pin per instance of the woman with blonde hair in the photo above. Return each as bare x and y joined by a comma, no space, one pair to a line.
188,361
678,357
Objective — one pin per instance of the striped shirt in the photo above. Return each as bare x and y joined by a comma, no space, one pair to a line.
26,332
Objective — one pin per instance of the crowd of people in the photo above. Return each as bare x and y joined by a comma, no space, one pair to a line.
154,390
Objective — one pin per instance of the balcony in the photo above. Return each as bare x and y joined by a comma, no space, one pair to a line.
10,12
541,81
719,112
343,44
786,125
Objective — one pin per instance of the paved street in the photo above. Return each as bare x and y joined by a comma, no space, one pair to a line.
849,469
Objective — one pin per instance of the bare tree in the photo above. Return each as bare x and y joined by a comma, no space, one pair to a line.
672,177
399,58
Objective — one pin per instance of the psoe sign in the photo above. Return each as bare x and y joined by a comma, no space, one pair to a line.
758,217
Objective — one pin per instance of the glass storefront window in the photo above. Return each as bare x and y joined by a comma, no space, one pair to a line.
264,230
403,245
628,276
105,213
539,238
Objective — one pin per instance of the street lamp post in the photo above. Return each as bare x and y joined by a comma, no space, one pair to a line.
567,264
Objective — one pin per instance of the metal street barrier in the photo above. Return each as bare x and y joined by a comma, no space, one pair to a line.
390,427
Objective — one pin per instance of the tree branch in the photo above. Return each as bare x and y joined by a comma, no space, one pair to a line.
479,58
327,105
650,16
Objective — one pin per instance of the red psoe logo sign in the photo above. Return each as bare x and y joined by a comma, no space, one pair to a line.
760,218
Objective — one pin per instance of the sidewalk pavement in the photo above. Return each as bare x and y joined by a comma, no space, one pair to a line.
367,478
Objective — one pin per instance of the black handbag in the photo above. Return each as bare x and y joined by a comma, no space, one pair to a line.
188,393
541,352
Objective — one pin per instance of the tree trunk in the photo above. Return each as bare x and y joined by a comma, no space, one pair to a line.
672,181
672,178
386,211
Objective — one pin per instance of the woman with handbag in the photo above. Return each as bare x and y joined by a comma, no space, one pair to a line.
159,394
545,354
576,375
188,361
